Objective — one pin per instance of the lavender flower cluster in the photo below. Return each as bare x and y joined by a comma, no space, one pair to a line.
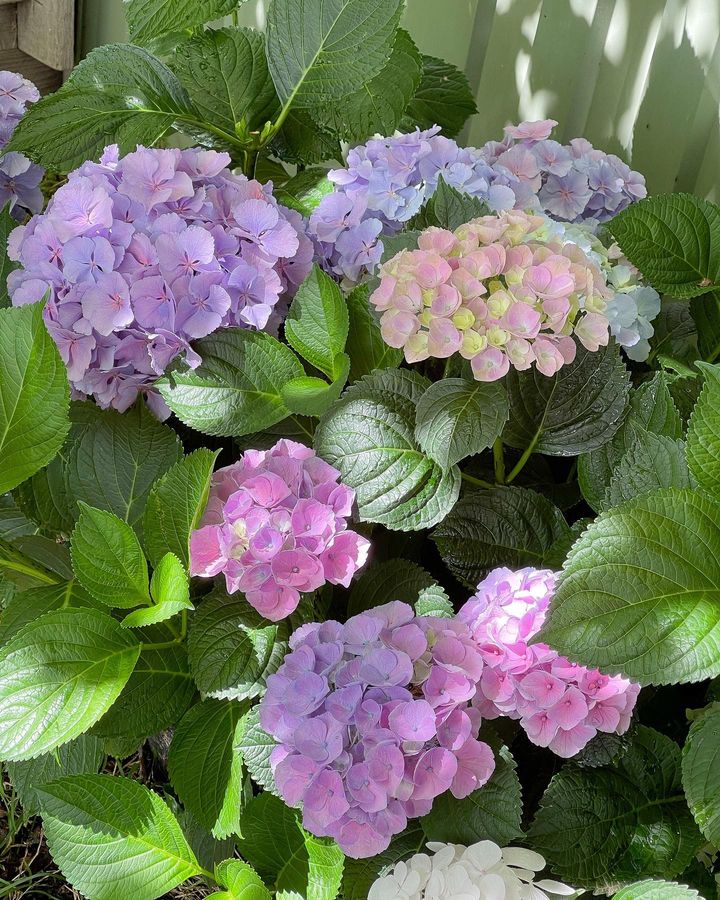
276,526
560,704
386,181
374,722
141,255
19,178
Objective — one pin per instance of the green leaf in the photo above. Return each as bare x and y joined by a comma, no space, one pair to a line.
150,19
433,601
108,559
370,437
492,812
204,768
237,388
119,93
310,396
231,646
674,239
241,880
392,245
575,411
301,141
112,838
305,190
117,458
640,592
275,844
458,418
633,816
368,351
316,326
443,98
34,395
29,604
651,462
703,437
377,106
13,523
170,592
359,874
701,773
175,506
57,678
83,755
226,75
324,51
157,695
393,579
7,223
449,208
655,890
705,312
256,745
504,526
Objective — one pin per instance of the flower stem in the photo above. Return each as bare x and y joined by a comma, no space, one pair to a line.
499,461
477,482
523,459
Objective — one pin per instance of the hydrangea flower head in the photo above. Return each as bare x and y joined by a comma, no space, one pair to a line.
373,720
276,526
560,704
19,178
139,256
500,290
482,871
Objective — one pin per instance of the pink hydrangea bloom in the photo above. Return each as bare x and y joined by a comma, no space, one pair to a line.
373,720
141,255
502,290
276,526
560,704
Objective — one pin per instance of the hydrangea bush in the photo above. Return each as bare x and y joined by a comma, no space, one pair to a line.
359,490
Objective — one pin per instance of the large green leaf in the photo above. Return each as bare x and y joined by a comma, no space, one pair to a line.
366,347
57,678
256,745
150,19
703,437
205,769
491,813
503,526
285,855
370,437
119,94
29,604
458,418
674,239
226,74
575,411
176,504
232,649
241,880
158,693
83,755
305,190
320,50
237,388
113,839
317,322
34,395
7,223
116,459
108,559
378,106
633,816
655,890
701,773
705,311
443,98
652,461
640,592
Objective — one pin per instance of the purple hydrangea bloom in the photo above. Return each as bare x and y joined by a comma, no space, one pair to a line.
139,256
19,178
560,704
374,721
387,180
276,526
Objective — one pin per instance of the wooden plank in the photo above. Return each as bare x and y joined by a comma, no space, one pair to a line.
8,27
46,79
46,31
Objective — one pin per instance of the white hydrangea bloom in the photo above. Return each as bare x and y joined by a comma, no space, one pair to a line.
483,871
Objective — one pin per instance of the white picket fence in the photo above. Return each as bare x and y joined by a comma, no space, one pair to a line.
640,78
